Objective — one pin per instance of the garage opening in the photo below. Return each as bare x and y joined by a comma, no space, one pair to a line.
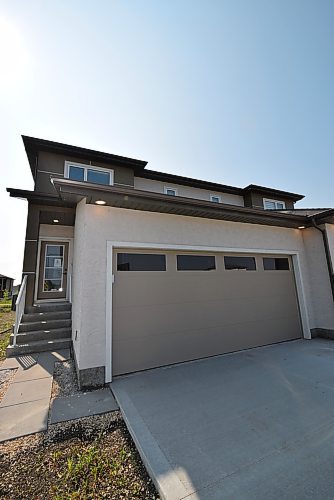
170,307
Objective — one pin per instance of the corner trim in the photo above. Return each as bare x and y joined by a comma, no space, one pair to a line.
109,302
301,296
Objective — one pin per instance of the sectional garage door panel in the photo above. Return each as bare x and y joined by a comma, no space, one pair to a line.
165,317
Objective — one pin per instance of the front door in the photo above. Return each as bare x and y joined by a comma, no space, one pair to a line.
52,282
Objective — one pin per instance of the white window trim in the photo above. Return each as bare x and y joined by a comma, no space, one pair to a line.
86,167
273,201
215,196
166,188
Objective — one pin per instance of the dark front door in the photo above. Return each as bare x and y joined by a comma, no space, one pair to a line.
52,282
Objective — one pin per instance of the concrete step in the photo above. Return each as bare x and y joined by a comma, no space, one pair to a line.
49,307
41,316
45,324
38,335
38,346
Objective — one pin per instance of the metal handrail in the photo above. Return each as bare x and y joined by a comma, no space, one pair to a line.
19,306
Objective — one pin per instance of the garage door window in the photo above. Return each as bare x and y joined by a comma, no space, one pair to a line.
141,262
196,262
276,264
240,263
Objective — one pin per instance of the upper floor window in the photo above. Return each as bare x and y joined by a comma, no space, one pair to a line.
273,204
88,173
170,191
214,198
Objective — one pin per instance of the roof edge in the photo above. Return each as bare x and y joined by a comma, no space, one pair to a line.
68,188
34,145
279,192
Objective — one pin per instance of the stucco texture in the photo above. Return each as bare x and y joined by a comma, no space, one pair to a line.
95,225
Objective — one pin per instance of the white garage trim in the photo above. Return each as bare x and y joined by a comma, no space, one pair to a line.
113,245
109,283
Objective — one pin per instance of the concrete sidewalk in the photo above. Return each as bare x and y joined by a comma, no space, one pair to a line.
25,407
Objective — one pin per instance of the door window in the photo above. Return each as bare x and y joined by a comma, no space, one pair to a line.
53,268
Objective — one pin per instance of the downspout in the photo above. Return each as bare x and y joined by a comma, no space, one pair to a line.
327,253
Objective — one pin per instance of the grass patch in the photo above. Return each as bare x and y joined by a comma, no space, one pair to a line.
106,465
5,306
7,320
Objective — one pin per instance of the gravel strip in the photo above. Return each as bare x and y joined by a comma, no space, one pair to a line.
64,380
6,377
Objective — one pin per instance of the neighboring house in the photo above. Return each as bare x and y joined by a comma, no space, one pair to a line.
16,289
162,269
6,283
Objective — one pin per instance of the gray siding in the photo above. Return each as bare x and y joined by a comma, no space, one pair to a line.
53,164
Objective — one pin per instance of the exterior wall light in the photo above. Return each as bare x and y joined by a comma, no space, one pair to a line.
301,227
55,221
100,202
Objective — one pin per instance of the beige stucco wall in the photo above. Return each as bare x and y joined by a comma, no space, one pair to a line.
187,191
96,225
321,300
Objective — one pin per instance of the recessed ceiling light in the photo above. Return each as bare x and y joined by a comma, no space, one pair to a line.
301,227
55,221
100,202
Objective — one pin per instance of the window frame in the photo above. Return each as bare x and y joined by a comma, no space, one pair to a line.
273,201
166,188
195,270
61,289
240,269
87,167
215,196
276,270
164,255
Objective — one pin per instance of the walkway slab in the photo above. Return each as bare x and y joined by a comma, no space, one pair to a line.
82,405
24,392
20,362
34,373
26,418
48,359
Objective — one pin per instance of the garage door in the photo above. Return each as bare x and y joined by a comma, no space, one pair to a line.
170,307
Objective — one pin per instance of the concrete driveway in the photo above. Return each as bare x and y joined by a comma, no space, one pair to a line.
258,424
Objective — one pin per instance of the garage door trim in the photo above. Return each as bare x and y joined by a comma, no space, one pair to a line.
116,245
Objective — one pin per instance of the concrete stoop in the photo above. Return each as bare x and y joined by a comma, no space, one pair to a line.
44,327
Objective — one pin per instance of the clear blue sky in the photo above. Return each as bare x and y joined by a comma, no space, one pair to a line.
233,91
